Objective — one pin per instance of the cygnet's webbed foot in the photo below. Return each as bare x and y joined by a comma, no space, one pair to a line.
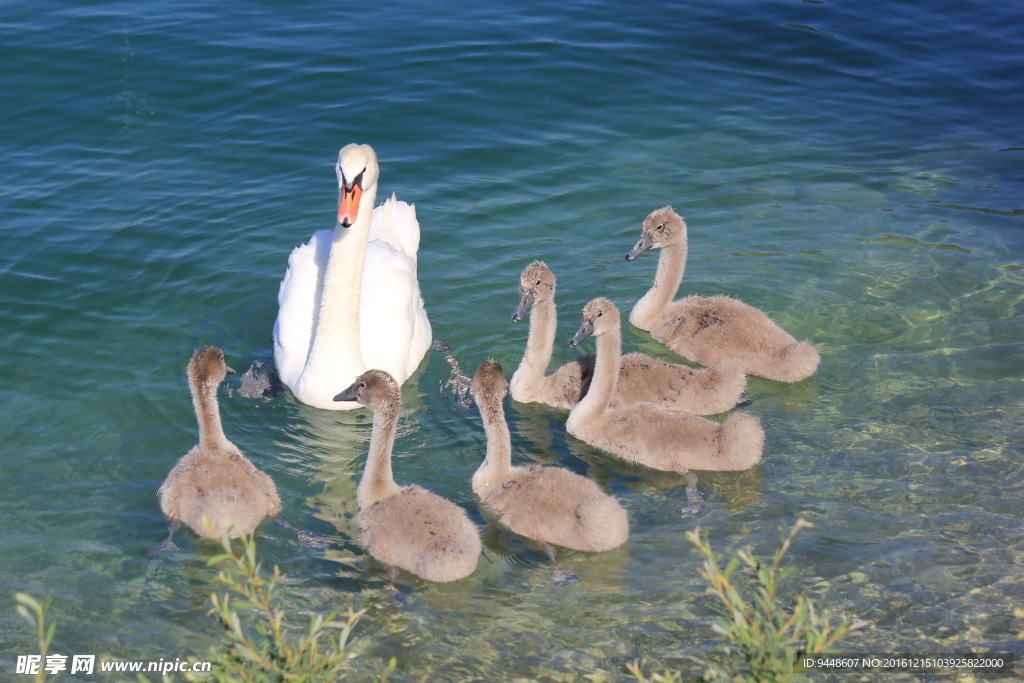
562,577
694,505
167,545
391,598
456,388
306,538
260,381
694,500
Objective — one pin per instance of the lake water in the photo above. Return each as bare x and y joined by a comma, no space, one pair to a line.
856,170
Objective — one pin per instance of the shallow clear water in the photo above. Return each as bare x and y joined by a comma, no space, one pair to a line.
855,171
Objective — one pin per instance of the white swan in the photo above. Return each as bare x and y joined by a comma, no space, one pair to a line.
350,299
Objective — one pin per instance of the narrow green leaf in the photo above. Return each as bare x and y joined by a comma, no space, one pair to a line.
28,616
28,601
217,559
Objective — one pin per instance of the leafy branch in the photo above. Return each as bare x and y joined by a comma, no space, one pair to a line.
34,613
766,641
272,654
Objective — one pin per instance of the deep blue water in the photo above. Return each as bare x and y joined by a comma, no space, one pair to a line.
853,169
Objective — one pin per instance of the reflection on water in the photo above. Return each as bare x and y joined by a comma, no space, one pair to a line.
898,239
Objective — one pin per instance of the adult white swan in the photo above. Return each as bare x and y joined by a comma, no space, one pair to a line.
350,300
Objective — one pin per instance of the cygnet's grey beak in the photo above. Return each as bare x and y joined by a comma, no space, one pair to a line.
523,307
586,329
348,394
645,243
228,369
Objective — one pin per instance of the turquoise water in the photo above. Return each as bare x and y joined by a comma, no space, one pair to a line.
854,170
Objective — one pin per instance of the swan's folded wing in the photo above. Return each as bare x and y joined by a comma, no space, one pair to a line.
395,222
394,330
297,305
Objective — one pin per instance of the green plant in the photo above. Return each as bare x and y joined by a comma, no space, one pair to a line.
34,613
765,641
768,639
276,652
637,670
260,645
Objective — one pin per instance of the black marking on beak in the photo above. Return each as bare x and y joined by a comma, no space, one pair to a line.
586,330
523,307
645,243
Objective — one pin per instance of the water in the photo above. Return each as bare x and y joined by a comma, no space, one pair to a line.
855,171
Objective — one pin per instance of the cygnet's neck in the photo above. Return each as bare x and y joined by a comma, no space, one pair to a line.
336,351
211,432
671,264
540,341
378,481
498,460
606,374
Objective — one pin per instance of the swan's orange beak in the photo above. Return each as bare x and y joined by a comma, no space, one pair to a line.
348,207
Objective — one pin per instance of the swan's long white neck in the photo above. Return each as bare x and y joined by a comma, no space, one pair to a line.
541,340
378,481
336,355
211,431
606,375
671,264
498,461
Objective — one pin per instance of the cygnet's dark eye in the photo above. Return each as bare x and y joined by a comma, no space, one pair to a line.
599,312
538,283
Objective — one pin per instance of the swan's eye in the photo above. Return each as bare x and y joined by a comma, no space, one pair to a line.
599,312
358,180
538,283
660,228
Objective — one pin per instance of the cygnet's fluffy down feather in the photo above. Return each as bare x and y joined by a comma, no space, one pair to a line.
546,504
711,329
641,378
416,531
648,434
406,526
214,488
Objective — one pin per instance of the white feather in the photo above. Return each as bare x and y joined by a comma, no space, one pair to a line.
391,332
